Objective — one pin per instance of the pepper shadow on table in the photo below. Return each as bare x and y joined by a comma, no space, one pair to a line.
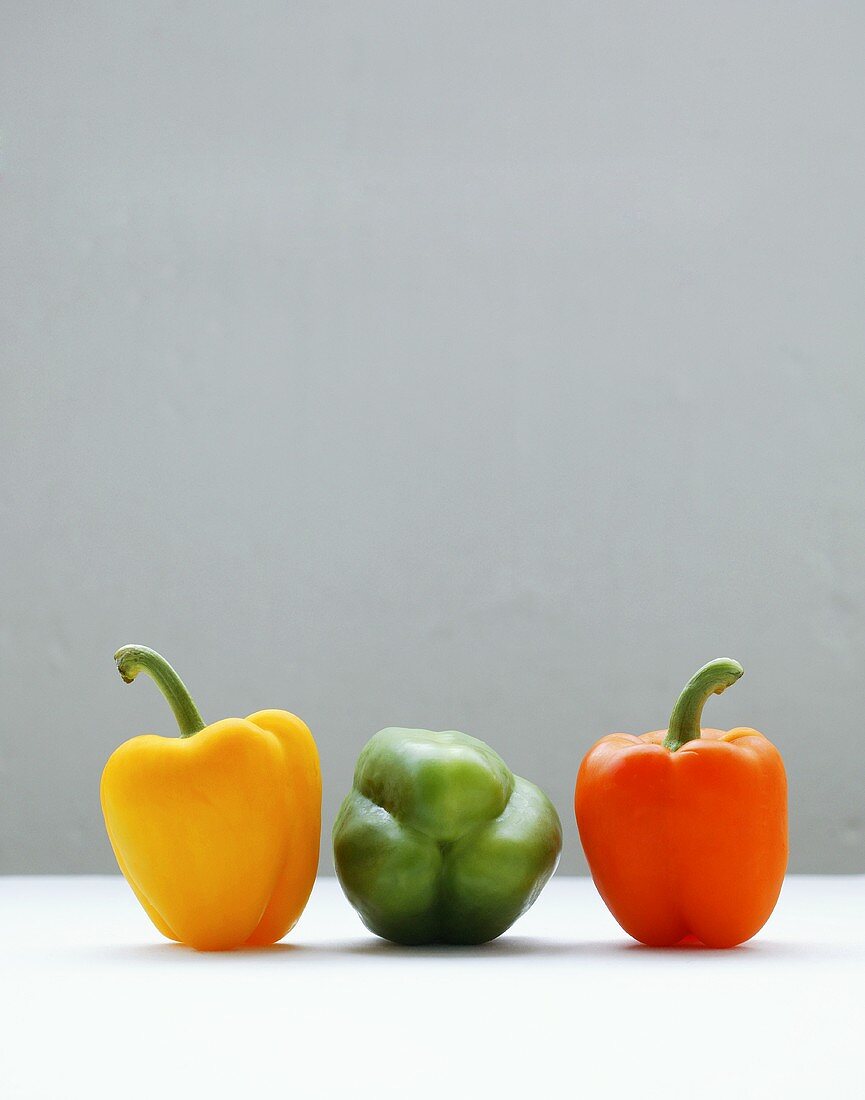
514,947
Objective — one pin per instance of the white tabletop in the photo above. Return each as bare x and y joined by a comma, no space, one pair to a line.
96,1004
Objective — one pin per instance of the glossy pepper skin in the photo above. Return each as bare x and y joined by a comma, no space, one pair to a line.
217,831
438,842
685,829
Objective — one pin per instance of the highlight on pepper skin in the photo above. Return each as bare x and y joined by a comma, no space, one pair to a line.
685,829
438,842
217,831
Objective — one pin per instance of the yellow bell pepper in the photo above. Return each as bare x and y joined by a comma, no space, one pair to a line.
217,831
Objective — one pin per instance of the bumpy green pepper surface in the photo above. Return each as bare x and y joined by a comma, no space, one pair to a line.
438,841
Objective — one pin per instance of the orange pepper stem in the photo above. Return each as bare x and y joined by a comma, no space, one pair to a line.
132,659
711,679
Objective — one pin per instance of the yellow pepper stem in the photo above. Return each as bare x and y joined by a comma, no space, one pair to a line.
132,659
711,679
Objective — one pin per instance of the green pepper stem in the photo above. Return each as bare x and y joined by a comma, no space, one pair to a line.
711,679
132,659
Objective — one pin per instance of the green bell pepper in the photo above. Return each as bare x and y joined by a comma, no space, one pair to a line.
438,842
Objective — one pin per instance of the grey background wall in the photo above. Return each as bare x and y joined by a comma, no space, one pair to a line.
487,366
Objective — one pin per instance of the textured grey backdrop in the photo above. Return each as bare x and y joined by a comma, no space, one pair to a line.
486,366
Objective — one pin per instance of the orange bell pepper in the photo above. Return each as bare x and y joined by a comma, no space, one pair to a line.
217,831
685,830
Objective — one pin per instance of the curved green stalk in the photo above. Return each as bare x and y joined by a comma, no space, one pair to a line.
711,679
132,659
